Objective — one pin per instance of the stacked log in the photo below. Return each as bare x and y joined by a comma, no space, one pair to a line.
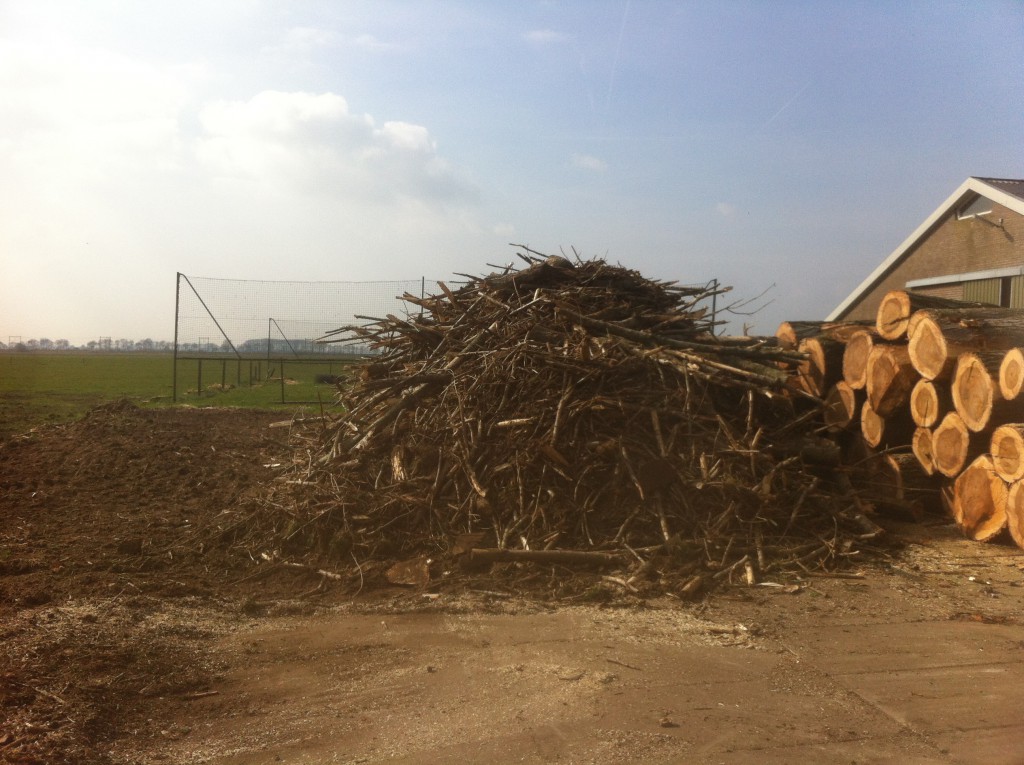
841,407
1007,449
1015,512
979,500
1011,374
899,306
976,393
952,445
929,400
939,385
855,358
938,336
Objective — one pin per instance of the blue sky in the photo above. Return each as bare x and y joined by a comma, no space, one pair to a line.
785,147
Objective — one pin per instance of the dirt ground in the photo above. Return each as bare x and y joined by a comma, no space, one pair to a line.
136,628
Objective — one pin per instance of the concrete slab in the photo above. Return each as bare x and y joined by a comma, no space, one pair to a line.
945,698
992,746
872,648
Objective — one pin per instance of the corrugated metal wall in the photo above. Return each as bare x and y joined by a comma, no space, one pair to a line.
983,291
1017,292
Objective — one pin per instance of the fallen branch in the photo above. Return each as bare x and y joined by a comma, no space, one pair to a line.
555,557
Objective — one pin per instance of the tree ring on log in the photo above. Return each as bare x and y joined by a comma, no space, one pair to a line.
1011,374
979,500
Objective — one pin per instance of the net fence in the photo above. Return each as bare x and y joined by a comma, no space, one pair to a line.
244,333
262,336
243,318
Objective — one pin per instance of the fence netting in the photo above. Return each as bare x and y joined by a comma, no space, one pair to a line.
250,318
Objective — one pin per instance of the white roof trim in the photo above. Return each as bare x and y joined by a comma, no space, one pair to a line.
971,185
971,276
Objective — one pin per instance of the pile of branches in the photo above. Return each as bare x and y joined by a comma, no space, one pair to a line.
572,407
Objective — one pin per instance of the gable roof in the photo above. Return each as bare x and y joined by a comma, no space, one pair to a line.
1008,192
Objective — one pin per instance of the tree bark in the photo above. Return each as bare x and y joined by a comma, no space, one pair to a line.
890,378
898,306
897,482
790,333
1007,450
979,500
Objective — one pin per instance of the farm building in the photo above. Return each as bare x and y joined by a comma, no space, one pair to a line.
970,248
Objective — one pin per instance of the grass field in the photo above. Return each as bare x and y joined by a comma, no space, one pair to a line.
37,388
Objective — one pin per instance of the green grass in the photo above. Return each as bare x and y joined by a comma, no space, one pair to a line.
36,387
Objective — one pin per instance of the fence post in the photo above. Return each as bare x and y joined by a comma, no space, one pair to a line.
174,364
714,306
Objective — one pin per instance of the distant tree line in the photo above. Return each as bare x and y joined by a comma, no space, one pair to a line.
103,344
304,347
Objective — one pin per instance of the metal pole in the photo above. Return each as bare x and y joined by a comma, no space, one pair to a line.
281,365
174,364
714,306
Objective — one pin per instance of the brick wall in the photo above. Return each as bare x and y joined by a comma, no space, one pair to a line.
953,247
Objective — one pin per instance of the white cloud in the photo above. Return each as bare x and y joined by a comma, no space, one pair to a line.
545,36
118,171
407,137
589,162
312,143
725,209
75,118
504,229
299,45
371,43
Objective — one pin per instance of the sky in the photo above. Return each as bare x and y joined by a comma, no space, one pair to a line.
783,148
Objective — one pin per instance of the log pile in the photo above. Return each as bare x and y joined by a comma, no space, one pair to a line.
940,380
578,407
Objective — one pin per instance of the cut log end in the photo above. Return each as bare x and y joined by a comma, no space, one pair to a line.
893,315
1015,513
950,445
855,359
929,352
974,391
979,501
872,425
821,369
925,404
890,378
1007,449
1011,374
840,407
921,445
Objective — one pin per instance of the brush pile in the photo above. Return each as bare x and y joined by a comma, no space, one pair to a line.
573,407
